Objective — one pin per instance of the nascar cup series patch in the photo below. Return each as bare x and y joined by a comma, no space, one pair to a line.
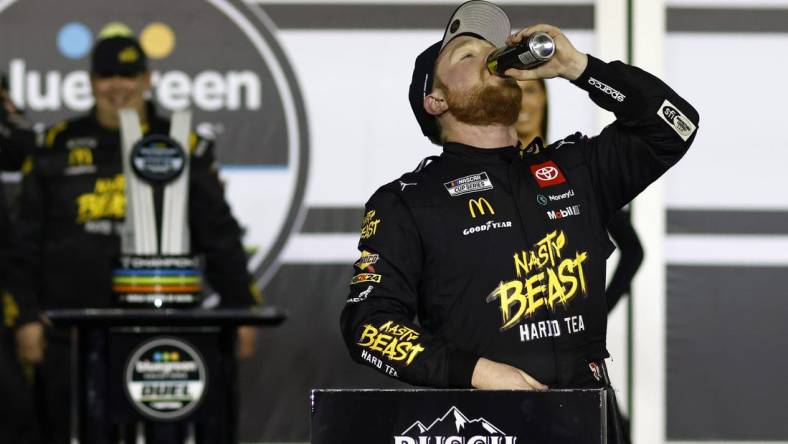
677,120
469,184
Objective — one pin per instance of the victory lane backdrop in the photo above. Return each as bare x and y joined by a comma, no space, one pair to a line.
229,63
305,135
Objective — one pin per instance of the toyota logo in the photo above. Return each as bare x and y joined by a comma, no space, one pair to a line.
546,173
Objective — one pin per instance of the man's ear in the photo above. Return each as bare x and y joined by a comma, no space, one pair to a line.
435,104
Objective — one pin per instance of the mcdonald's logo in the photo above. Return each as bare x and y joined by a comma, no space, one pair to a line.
479,205
80,156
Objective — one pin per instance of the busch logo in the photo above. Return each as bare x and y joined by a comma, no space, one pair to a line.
615,94
454,428
574,210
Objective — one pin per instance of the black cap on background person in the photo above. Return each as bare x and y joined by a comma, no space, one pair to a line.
118,55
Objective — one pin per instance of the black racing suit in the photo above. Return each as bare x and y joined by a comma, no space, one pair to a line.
500,253
72,205
17,417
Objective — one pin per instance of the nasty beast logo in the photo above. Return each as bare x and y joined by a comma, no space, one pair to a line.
394,342
107,201
369,225
246,99
545,279
454,427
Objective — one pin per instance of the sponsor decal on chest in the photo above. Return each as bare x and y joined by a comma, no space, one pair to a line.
469,184
547,174
572,210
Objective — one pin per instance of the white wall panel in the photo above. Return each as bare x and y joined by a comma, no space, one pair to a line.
739,157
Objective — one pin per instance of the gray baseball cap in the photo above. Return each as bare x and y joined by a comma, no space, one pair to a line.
481,19
477,18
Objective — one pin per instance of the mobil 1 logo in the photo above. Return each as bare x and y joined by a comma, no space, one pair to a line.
246,99
166,379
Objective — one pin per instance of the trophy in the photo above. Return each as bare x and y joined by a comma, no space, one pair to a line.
156,267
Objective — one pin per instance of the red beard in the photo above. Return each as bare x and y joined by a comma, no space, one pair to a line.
487,104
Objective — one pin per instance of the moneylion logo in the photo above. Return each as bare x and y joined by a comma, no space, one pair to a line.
479,205
246,98
454,427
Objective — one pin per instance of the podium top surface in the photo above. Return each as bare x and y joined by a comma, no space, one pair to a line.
96,317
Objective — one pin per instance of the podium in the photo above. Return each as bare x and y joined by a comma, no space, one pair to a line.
458,417
156,376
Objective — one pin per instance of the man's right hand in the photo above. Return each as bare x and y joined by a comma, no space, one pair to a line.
30,342
491,375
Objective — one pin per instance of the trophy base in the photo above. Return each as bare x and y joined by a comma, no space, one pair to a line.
157,282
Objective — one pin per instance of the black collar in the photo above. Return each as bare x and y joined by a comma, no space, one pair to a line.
504,154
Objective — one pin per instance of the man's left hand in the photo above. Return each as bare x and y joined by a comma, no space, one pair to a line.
567,62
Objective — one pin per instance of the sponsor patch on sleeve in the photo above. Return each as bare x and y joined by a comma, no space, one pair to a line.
367,261
365,277
677,120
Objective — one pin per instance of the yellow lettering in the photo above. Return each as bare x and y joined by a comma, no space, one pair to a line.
509,293
579,259
80,156
368,334
380,341
392,350
521,263
565,275
531,293
414,351
555,290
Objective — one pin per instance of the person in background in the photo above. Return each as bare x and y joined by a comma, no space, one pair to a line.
71,208
17,417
